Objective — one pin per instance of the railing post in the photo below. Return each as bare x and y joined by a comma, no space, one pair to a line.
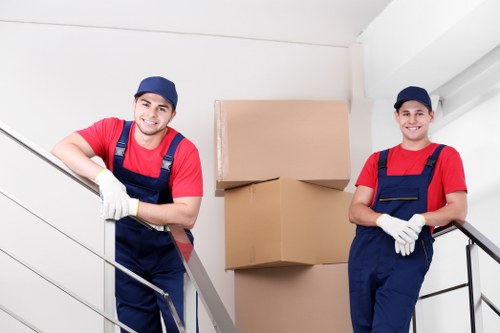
109,275
190,306
476,315
418,321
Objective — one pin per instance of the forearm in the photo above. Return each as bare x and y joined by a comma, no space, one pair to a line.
446,214
75,153
363,215
360,212
182,213
455,209
80,164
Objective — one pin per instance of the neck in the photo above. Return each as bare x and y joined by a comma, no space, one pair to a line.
415,145
149,141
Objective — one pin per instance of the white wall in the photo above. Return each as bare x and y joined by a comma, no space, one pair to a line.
56,79
476,137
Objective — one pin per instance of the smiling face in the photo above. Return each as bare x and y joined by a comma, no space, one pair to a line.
414,119
152,114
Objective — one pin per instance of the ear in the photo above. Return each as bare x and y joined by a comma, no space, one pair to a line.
174,113
431,114
396,116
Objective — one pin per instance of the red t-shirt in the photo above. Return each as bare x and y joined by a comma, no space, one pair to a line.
448,177
186,175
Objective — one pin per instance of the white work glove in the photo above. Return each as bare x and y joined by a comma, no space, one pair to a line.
416,222
405,249
397,228
115,202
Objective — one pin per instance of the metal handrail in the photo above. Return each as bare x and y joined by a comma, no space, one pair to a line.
476,239
474,235
67,291
21,320
86,183
490,304
216,310
113,263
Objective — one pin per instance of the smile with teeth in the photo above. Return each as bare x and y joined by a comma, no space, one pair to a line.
413,128
149,122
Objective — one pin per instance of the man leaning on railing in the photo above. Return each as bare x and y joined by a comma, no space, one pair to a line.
154,173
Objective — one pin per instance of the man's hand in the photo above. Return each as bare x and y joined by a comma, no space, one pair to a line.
399,229
115,202
416,222
405,249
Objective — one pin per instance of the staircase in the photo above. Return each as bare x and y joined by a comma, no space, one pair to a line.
57,255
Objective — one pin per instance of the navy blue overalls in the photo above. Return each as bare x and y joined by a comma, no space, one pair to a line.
148,253
383,285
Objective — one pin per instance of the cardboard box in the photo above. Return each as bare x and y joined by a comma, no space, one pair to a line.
259,140
293,299
285,222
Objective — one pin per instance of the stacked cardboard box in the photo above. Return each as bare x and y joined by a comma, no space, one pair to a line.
293,299
261,140
284,222
282,167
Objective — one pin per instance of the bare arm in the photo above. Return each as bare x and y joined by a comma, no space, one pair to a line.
76,153
455,209
183,212
360,212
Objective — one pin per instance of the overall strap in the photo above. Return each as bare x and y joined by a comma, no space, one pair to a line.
168,159
165,194
382,163
431,162
121,145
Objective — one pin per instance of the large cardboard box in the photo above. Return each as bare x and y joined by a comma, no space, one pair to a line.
285,222
298,139
293,299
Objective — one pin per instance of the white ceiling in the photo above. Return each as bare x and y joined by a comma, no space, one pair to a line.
454,52
321,22
456,34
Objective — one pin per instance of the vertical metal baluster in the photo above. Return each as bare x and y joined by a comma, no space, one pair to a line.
109,275
476,316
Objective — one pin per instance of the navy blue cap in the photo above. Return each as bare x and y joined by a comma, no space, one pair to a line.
160,86
413,94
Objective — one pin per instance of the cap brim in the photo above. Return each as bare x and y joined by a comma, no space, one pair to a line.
398,104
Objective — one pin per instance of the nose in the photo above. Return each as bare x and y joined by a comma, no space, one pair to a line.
150,112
